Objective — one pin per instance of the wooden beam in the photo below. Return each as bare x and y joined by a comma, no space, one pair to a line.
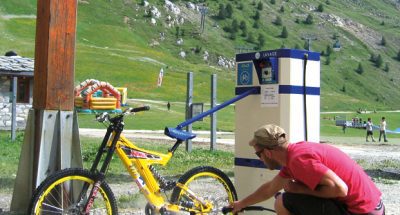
54,55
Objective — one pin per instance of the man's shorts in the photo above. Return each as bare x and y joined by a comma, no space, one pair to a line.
301,204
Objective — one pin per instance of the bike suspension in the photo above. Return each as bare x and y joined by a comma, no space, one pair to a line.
165,184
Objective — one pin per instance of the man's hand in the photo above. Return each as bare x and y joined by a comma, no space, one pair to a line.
236,206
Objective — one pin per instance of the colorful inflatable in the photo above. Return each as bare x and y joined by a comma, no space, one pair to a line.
93,95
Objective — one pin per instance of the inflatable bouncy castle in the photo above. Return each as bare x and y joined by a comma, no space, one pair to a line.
96,96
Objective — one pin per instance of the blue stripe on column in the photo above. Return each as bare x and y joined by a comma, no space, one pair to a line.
240,90
249,162
283,89
290,89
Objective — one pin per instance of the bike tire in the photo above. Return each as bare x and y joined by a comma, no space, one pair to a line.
208,183
58,194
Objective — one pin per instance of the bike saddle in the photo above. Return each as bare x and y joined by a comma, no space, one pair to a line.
178,134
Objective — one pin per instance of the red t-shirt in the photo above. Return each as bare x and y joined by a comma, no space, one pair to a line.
308,162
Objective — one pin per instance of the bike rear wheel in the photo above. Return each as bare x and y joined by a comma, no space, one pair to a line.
62,193
210,185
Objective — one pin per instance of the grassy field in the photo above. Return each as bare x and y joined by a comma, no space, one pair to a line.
10,152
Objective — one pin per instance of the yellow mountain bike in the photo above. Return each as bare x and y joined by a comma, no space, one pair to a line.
201,190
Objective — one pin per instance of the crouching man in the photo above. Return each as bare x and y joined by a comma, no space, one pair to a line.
316,178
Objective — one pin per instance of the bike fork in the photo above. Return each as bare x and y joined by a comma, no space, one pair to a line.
92,196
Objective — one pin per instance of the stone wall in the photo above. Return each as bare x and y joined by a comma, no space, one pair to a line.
6,108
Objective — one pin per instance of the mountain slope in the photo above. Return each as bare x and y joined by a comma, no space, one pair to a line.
116,42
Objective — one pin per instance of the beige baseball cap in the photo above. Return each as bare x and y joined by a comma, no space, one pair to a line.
269,136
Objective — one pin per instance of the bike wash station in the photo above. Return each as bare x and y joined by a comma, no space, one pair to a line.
285,90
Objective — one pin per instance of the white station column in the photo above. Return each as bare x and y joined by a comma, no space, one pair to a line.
287,93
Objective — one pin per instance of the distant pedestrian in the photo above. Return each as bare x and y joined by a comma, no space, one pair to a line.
344,128
168,106
382,130
368,127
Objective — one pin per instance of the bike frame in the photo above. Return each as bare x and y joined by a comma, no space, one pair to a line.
137,161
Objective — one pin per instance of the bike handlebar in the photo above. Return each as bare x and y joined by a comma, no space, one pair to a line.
226,210
106,117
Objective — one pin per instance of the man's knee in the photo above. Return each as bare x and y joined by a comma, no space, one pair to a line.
279,207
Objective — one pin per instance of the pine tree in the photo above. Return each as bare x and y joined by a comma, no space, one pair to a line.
177,31
373,58
284,33
278,21
309,19
221,11
335,36
256,15
232,36
328,50
305,46
229,10
260,6
379,61
383,41
256,25
261,40
250,38
320,8
243,27
234,26
386,69
328,60
282,9
398,56
360,69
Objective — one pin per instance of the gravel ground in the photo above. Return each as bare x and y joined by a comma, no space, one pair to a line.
381,162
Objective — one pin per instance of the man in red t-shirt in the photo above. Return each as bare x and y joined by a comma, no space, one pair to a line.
317,179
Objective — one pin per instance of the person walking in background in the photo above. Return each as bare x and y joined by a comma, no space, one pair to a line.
382,130
368,127
168,106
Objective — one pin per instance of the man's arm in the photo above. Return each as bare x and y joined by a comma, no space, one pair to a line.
264,192
330,186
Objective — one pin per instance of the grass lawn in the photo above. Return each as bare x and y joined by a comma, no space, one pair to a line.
9,155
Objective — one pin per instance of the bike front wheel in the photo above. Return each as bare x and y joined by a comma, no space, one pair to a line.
67,192
204,190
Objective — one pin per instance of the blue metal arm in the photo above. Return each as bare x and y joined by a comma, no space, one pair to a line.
215,109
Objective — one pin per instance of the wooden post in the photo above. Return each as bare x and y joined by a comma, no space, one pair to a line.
54,55
51,139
